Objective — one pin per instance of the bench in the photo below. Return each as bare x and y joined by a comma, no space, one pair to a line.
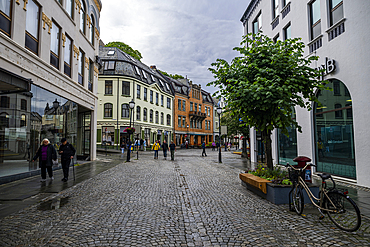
257,182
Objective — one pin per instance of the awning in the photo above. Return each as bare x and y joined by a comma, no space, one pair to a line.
13,83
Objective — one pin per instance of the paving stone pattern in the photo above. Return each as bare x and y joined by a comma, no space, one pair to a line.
192,201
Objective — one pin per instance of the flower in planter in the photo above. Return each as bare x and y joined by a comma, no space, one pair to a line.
129,130
275,175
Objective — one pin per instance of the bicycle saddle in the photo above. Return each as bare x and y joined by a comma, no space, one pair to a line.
324,176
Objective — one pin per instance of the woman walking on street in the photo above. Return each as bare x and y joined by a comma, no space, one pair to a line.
46,154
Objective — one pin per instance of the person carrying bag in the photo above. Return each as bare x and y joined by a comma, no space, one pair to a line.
46,154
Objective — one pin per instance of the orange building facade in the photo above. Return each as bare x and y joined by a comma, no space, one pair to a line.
193,114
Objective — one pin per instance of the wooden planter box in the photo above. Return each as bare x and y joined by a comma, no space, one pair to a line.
275,193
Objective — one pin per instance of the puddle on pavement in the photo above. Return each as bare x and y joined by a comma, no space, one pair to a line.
53,204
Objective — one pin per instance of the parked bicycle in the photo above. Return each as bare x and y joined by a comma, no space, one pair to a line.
334,202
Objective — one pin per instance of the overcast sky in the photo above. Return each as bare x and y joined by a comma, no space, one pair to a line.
179,37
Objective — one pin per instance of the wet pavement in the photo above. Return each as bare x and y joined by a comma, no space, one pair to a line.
192,201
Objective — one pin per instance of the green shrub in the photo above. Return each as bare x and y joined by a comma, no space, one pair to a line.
275,175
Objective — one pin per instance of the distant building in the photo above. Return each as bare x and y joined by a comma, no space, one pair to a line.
335,134
122,79
48,58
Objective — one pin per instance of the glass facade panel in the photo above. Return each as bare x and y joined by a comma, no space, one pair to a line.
335,151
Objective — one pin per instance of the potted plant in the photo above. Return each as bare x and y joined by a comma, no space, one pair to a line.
129,130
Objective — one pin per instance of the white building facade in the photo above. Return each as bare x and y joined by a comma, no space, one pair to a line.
123,79
48,81
334,135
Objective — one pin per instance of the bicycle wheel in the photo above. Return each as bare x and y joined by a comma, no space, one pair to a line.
297,198
346,214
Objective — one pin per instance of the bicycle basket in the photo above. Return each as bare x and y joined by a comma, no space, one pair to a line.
293,175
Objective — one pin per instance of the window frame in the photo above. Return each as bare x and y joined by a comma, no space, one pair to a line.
145,94
138,91
108,111
138,113
32,42
81,67
55,44
126,85
317,23
145,114
67,66
125,110
109,87
332,10
6,20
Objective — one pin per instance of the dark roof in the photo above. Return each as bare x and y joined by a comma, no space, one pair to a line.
126,65
207,97
252,5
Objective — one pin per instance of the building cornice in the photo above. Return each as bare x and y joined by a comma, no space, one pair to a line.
253,4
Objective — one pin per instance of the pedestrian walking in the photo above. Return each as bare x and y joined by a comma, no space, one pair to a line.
122,149
213,146
204,149
228,146
67,151
165,148
156,147
144,145
141,144
186,144
172,150
225,146
218,145
46,154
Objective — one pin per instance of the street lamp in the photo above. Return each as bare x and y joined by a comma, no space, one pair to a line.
219,111
131,105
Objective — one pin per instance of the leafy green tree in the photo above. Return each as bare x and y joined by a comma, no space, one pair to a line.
175,76
266,82
235,126
125,48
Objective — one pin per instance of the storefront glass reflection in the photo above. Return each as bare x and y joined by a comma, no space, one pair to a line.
26,119
335,151
288,144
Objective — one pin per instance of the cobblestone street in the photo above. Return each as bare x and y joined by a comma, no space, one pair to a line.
192,201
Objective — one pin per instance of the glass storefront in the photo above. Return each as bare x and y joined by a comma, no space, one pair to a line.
27,118
288,145
334,139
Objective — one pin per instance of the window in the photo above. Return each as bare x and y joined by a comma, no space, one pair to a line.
137,70
200,108
285,2
338,113
183,122
257,24
5,16
179,104
191,106
195,106
276,38
275,8
183,105
69,7
54,46
151,116
138,112
145,113
145,94
162,116
83,17
191,123
336,11
315,19
138,91
92,31
168,119
109,87
67,56
179,121
157,98
109,65
4,102
23,120
336,88
151,96
125,111
91,75
168,103
206,124
157,117
23,104
108,110
206,109
286,31
162,100
144,74
32,26
125,88
81,67
349,112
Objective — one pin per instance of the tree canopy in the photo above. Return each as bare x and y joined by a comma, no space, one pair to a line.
175,76
266,82
126,48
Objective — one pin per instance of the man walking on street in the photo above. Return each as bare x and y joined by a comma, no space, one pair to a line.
172,149
204,149
165,148
67,151
156,147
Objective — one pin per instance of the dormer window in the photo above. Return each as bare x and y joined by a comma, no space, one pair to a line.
111,52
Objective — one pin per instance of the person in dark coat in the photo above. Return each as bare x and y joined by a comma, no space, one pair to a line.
204,149
172,149
46,154
165,149
67,151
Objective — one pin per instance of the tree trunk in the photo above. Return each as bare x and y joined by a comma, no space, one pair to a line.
244,148
268,148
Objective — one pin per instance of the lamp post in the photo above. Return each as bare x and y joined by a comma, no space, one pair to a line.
219,111
131,105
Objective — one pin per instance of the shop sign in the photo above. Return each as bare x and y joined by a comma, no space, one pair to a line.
329,67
